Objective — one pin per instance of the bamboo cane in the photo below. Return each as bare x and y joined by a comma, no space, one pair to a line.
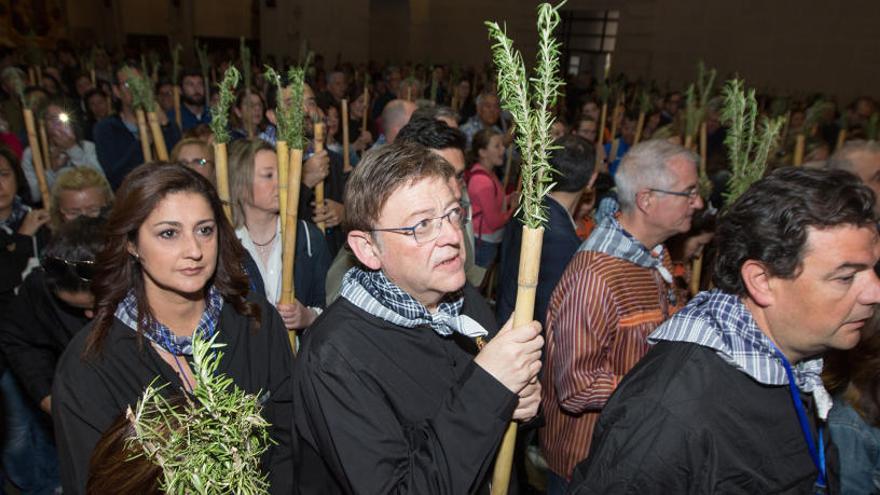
640,126
612,153
142,132
283,153
366,109
523,314
319,187
289,243
601,134
689,142
221,168
408,92
841,139
346,160
800,143
697,264
44,143
36,156
93,77
39,75
32,76
158,138
177,116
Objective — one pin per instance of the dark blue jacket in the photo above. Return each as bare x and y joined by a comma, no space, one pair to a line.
560,244
119,151
188,120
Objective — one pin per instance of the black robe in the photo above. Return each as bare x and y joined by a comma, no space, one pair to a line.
89,394
684,421
380,408
35,333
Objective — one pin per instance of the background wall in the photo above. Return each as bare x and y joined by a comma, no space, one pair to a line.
790,45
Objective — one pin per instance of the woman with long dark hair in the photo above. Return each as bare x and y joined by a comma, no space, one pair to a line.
171,267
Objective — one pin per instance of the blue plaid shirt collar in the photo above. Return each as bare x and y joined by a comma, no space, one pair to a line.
159,334
610,238
13,221
722,322
374,293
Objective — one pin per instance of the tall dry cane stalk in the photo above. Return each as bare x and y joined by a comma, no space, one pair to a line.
529,104
219,126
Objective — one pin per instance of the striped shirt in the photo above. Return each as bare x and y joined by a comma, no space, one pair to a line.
598,321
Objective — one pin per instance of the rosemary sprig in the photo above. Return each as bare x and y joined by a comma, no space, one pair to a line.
531,113
645,104
705,83
872,126
693,112
220,112
747,149
141,89
214,442
175,64
288,113
204,63
245,53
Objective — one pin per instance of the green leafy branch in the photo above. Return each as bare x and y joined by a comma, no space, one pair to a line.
220,111
872,126
204,62
245,53
210,444
531,115
288,113
645,104
141,89
295,135
749,142
175,64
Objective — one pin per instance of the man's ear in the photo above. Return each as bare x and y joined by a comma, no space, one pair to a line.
364,247
757,282
644,200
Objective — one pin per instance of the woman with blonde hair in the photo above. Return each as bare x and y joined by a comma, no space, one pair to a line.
79,191
254,188
196,154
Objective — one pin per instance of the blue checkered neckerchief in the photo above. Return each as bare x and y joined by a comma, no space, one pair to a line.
722,322
19,211
373,292
610,238
159,334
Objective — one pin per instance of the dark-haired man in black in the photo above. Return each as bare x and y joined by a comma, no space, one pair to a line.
730,399
574,165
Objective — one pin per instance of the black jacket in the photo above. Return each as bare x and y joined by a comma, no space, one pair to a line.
684,421
34,335
88,394
380,408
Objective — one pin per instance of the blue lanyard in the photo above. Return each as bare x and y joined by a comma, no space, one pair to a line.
817,454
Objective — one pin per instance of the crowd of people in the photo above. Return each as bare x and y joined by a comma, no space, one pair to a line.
630,378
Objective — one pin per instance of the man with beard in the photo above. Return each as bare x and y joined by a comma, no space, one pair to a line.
730,398
193,110
615,291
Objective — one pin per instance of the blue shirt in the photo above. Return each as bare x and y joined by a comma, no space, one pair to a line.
188,120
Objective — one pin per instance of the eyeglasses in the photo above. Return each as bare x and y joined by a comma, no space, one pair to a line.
429,229
691,194
71,213
59,267
196,162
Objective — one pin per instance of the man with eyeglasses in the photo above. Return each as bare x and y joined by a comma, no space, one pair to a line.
615,291
398,387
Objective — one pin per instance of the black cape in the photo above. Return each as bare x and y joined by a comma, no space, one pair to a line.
89,394
380,408
35,333
684,421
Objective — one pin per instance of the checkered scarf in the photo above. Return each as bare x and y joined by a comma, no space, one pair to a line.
373,292
159,334
13,221
610,238
722,322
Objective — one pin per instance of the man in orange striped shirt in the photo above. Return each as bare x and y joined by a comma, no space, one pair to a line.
617,289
